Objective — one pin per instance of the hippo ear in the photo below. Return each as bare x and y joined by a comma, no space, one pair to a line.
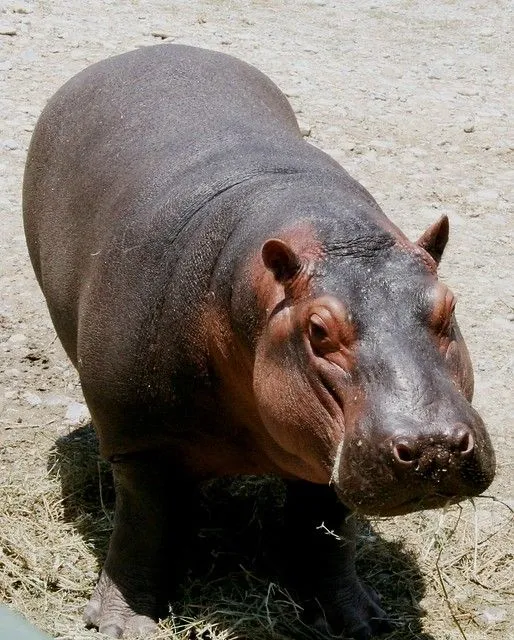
435,238
281,259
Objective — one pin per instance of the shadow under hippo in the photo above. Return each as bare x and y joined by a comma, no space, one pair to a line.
232,562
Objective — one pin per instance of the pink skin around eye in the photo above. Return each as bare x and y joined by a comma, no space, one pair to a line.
331,336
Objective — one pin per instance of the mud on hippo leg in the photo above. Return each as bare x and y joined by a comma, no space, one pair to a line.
321,568
151,525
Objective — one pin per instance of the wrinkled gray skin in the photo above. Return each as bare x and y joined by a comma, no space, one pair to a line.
235,303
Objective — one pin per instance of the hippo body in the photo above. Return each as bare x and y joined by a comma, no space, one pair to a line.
235,303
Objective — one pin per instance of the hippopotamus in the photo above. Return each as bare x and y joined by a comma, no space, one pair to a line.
235,303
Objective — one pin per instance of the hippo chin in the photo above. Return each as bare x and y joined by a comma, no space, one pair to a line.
235,303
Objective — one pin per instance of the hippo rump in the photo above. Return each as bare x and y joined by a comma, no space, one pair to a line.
235,303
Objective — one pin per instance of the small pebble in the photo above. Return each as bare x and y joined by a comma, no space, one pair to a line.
493,615
17,338
468,92
76,413
5,30
305,131
11,145
31,398
510,317
469,127
22,8
381,144
55,400
160,34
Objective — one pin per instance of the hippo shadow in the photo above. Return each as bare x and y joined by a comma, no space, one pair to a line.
233,583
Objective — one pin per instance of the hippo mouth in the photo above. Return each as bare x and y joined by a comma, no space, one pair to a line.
386,508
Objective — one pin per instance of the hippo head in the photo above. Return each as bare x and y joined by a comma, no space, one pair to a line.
362,368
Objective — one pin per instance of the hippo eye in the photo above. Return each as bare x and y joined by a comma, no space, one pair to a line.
331,335
319,336
318,330
443,312
448,323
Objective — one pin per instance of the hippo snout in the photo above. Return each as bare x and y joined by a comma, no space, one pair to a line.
416,468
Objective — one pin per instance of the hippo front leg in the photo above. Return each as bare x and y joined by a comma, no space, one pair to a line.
321,567
147,540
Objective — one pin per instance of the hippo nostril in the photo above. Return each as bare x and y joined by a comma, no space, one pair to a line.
404,453
464,440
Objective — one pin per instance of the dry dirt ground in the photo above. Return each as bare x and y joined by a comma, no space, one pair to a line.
413,98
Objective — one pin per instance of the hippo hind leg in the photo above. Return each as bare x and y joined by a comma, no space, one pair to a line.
321,568
152,526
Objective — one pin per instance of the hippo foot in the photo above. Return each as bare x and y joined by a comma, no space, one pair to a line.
111,612
350,613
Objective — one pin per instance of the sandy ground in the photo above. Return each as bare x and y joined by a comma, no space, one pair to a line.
414,99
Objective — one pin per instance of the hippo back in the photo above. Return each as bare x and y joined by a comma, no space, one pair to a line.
129,150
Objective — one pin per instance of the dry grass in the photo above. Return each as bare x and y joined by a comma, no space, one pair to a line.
55,519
